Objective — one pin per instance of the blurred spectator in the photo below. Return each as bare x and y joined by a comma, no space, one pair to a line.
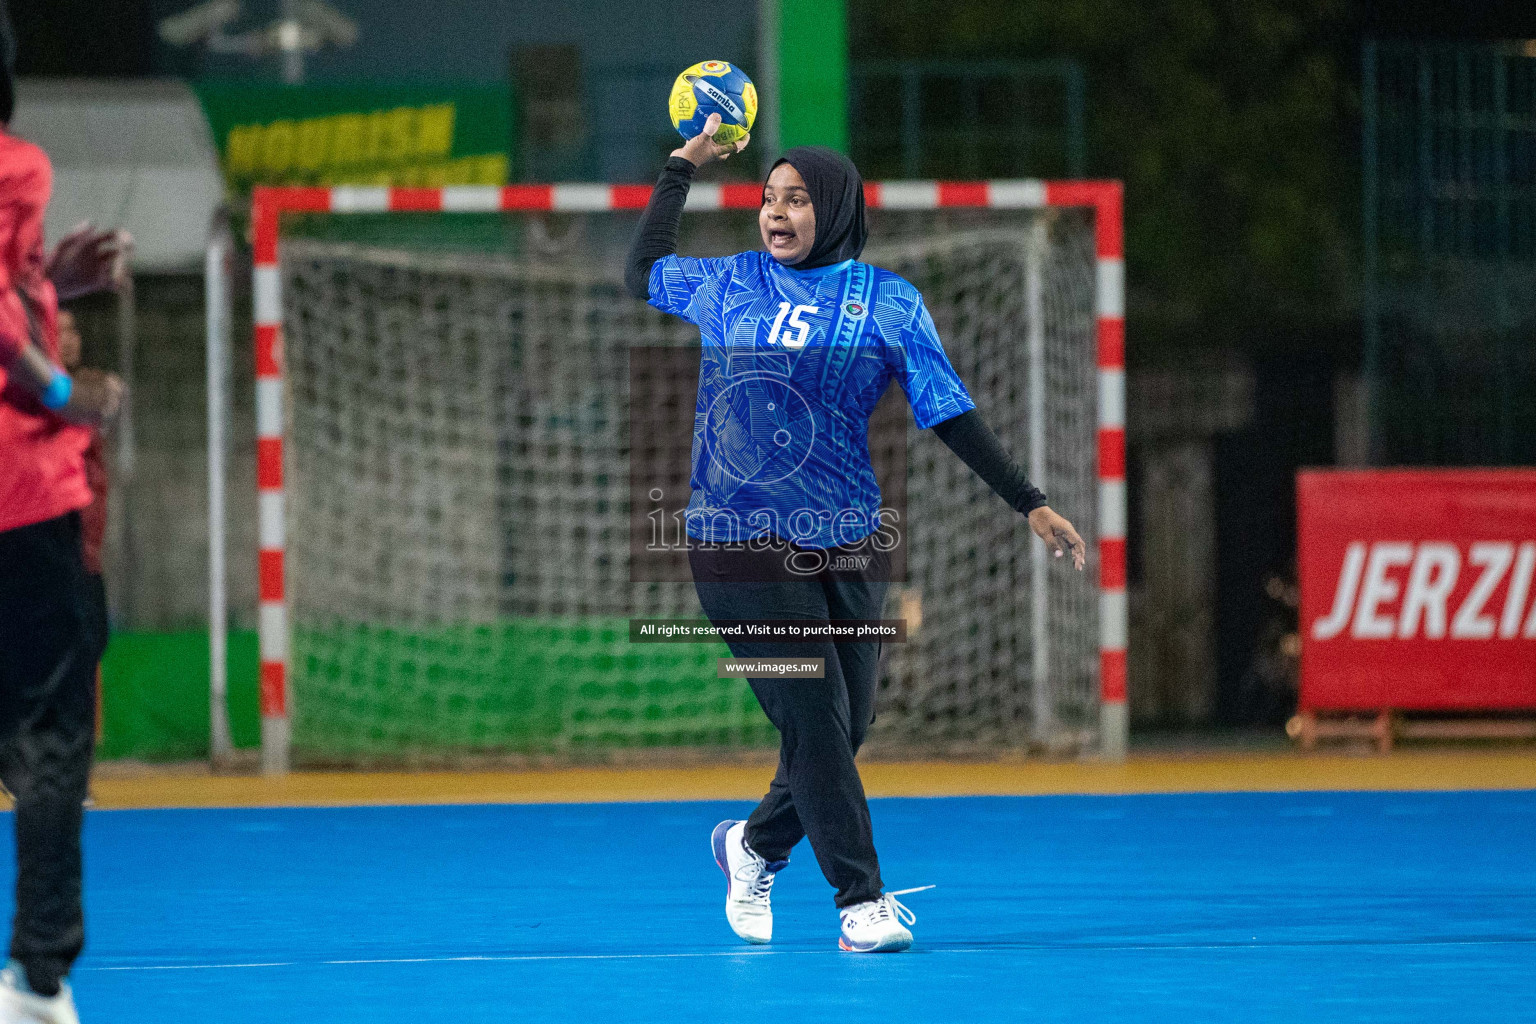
1268,690
93,518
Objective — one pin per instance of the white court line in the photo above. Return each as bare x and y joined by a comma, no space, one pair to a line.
453,960
188,967
519,958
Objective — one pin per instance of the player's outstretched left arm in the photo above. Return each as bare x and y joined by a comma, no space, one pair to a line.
969,437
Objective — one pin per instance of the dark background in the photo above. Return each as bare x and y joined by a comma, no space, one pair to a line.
1235,125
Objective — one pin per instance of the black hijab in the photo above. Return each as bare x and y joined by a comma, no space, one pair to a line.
837,196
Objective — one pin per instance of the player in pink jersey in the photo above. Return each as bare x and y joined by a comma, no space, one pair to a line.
48,649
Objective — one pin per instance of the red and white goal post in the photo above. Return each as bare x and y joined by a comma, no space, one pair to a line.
269,204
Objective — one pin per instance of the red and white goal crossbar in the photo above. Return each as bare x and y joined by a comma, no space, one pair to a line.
269,204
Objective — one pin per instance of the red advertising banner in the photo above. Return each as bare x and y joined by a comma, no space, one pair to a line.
1417,589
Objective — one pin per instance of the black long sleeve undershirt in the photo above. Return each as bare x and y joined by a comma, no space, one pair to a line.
656,236
967,435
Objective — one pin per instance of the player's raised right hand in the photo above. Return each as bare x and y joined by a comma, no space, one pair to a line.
703,148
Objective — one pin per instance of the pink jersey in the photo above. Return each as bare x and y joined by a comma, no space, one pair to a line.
42,465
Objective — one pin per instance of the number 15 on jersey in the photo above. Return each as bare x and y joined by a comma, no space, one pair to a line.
799,340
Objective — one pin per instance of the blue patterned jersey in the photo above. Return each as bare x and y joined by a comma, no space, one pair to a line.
793,363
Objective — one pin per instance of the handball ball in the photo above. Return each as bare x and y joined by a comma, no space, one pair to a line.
713,87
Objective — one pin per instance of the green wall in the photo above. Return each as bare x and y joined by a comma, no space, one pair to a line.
368,693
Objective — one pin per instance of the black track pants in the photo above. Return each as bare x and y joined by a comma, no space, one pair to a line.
816,792
49,648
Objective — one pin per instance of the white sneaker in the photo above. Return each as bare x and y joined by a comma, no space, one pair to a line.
20,1005
748,879
877,926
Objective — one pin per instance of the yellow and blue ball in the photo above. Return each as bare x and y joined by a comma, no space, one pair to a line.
713,87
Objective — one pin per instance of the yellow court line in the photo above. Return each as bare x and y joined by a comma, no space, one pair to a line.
115,788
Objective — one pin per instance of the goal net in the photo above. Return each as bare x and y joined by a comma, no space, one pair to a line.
460,515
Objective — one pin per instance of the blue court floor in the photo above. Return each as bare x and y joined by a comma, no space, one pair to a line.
1238,907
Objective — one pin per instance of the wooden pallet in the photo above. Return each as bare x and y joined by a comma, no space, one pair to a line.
1386,727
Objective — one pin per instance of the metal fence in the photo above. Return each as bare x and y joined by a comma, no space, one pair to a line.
967,119
1449,299
906,119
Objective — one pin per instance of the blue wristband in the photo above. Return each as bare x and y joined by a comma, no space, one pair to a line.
56,394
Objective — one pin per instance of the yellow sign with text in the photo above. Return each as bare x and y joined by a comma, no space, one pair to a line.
331,137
